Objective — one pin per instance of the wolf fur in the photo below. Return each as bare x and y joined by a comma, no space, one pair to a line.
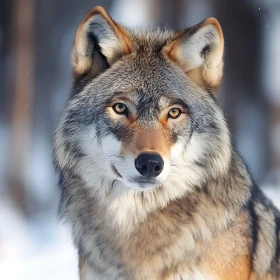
201,217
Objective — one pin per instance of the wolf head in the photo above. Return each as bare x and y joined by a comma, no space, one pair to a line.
143,112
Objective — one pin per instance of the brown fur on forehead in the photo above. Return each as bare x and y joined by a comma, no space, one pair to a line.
149,140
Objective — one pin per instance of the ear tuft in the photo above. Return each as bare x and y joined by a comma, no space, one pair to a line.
99,42
199,52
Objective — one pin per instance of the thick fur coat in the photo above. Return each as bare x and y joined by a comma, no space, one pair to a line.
196,214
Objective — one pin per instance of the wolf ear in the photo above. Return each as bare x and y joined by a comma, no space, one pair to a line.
99,42
199,52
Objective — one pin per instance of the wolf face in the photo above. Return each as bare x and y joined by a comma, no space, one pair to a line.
143,112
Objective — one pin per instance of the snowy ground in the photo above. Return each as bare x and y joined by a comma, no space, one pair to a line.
33,250
273,193
23,257
57,262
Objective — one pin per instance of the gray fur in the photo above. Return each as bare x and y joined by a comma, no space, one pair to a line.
208,191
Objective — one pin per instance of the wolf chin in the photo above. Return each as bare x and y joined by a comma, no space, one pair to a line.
149,180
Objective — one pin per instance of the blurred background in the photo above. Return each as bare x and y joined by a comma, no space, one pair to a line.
35,78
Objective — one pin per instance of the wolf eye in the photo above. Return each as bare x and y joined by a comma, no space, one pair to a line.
120,109
174,113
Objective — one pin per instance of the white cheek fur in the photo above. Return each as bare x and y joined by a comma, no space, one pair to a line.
110,146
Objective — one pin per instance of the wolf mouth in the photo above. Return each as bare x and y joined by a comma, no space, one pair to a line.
115,170
143,180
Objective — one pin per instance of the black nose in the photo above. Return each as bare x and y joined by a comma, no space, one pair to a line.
149,165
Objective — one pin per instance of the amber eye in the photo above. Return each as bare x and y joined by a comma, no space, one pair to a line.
120,108
174,113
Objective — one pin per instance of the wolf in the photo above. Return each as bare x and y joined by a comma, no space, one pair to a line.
150,182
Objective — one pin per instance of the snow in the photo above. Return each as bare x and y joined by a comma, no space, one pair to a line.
59,261
23,253
273,193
